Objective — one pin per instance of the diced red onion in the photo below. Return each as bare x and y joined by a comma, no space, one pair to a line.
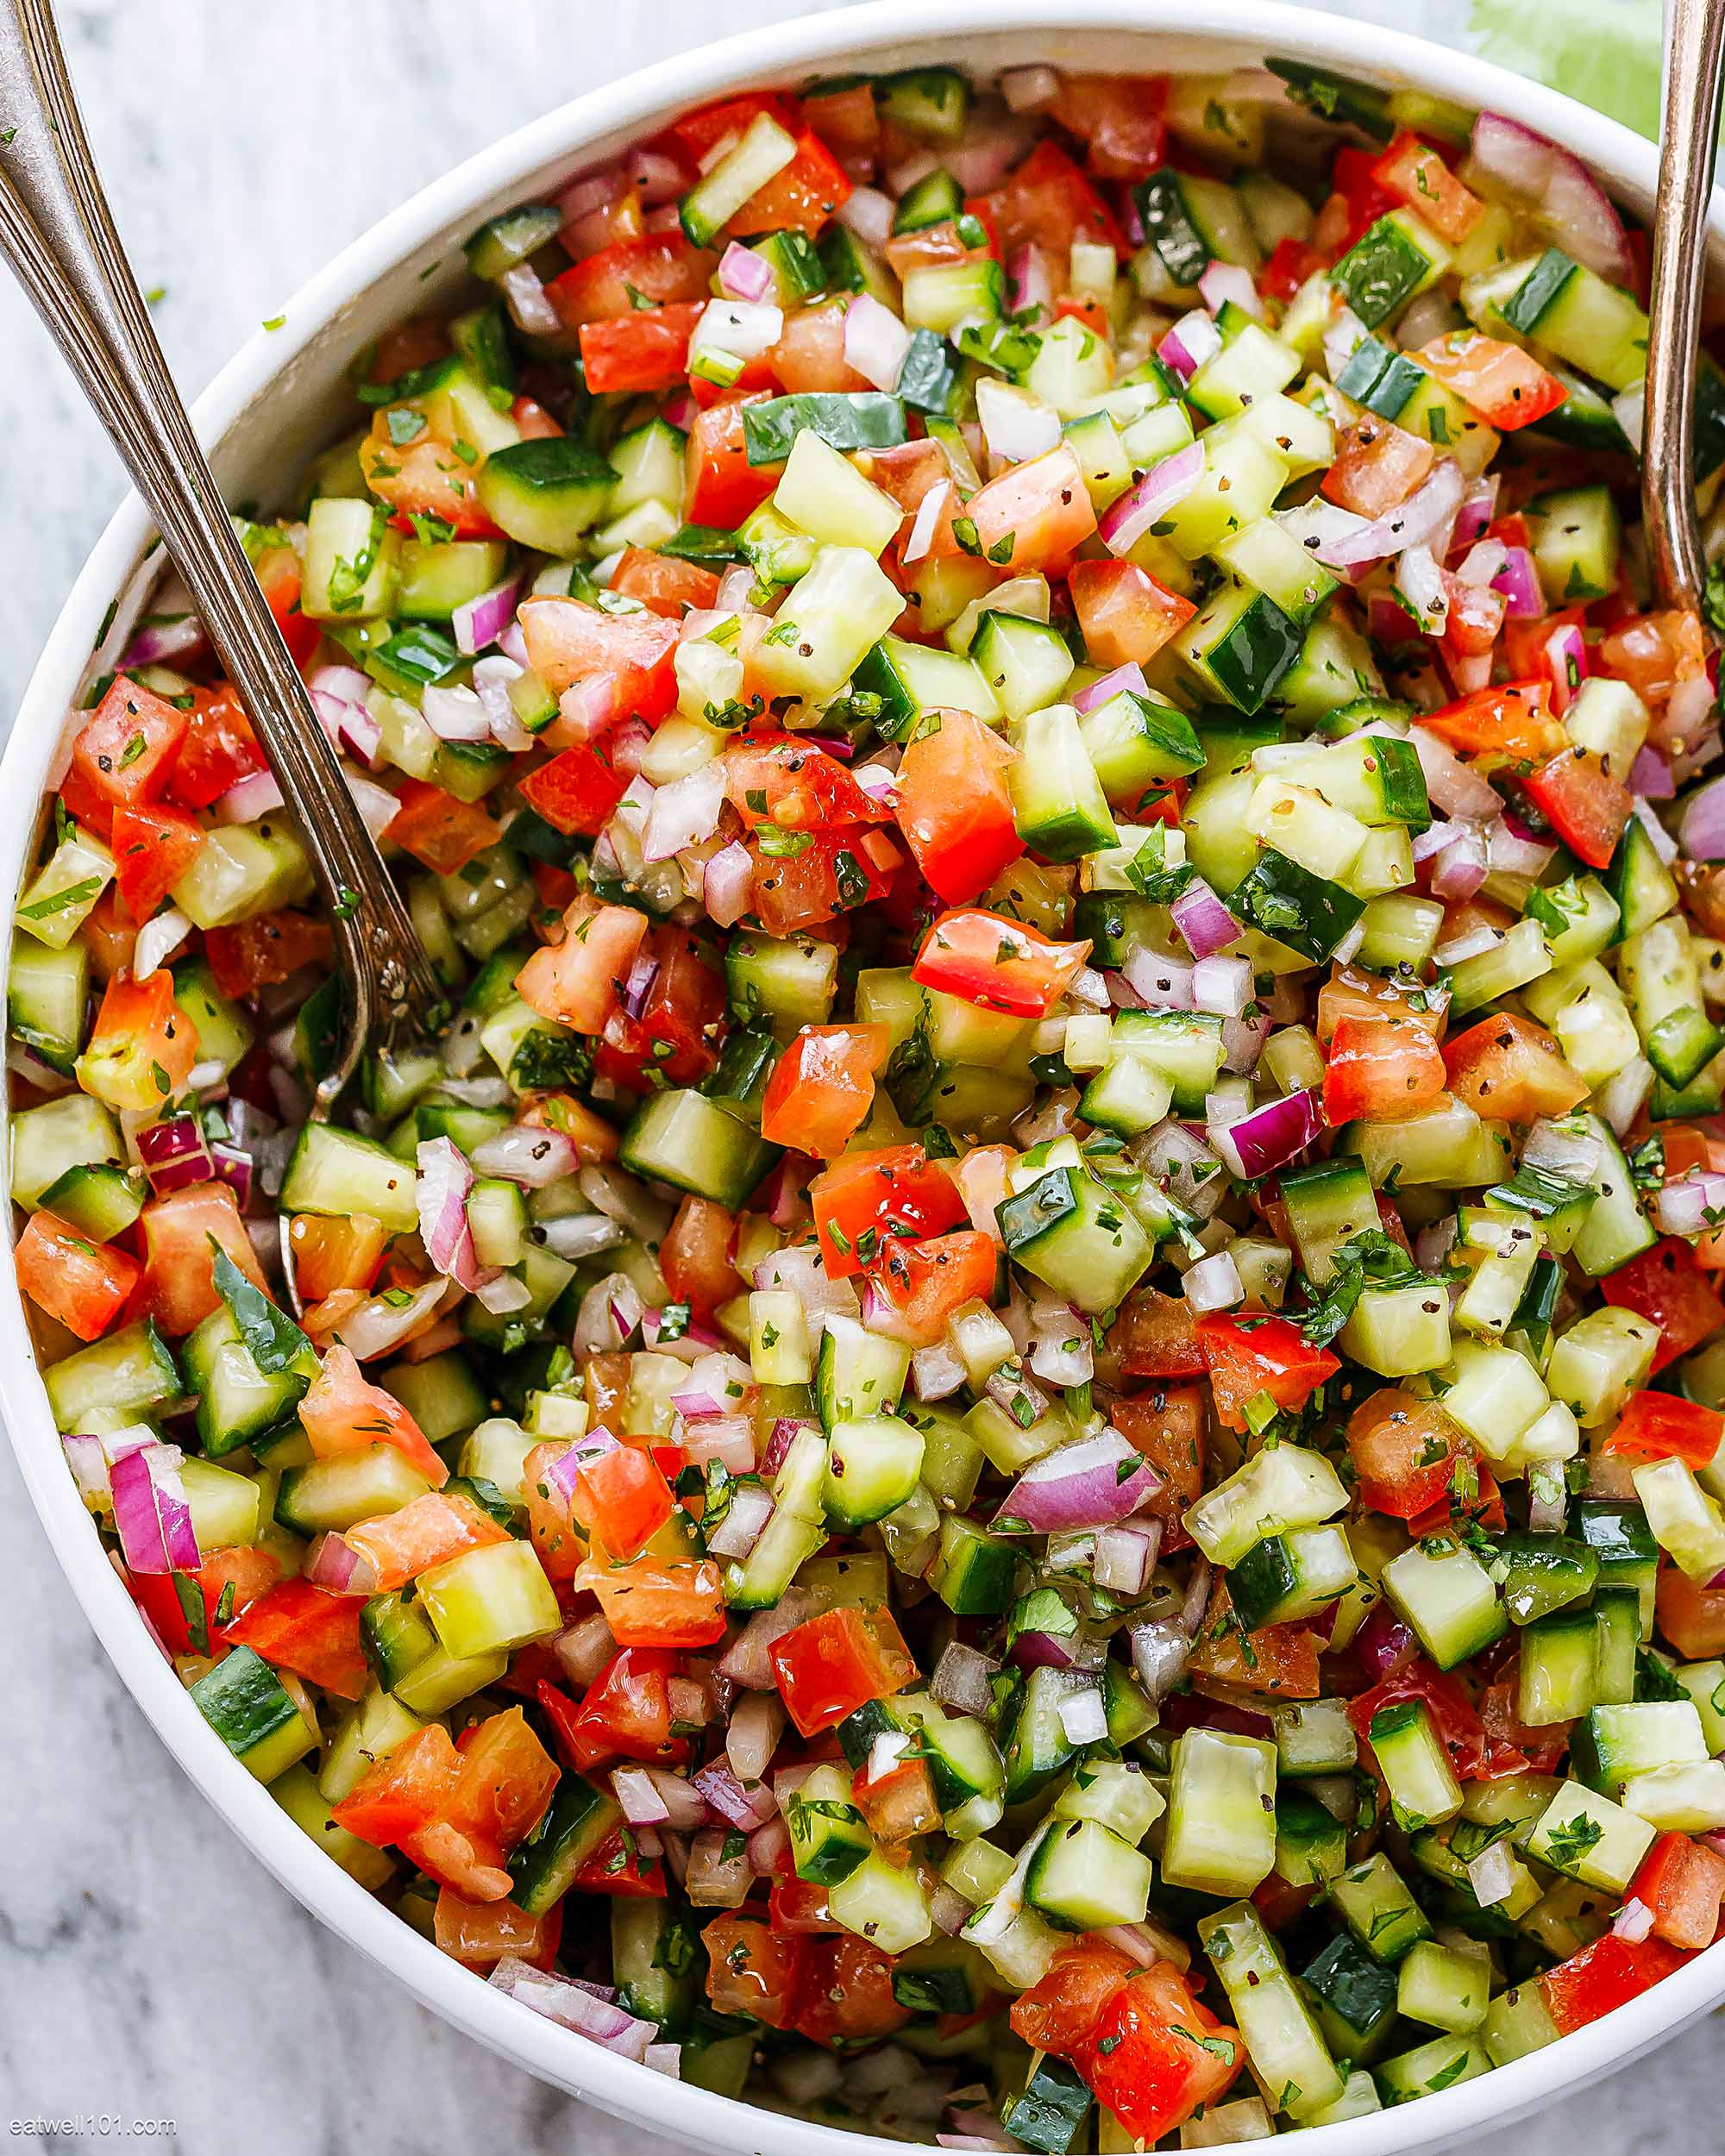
1223,986
1125,1556
156,642
1163,984
684,813
234,1165
1650,776
1384,1642
1213,1283
752,1737
1084,1718
333,1563
479,622
1124,522
743,274
609,1313
868,214
1223,283
502,1294
1243,1037
575,2006
1456,787
257,794
728,886
530,306
1016,426
89,1465
1271,1136
151,1515
936,1372
750,1510
1459,868
961,1679
444,1183
1481,562
1633,1922
744,1807
1421,582
1683,1207
377,1324
1185,1166
715,1881
1425,519
378,806
1519,582
926,523
1629,409
585,1649
1030,282
492,677
1160,1650
1192,341
1203,920
527,1154
1478,508
1550,179
875,342
1663,843
1097,693
640,1803
1090,1482
748,1660
454,714
1029,89
174,1153
1702,826
768,1846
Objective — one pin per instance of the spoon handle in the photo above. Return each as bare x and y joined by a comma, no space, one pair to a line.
1695,47
58,235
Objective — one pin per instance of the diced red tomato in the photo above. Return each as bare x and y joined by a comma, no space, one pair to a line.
1156,1336
577,982
662,584
1362,197
1350,992
1049,202
924,1284
482,1934
1035,514
953,806
847,120
848,1996
1691,1617
1291,263
126,747
792,784
799,1906
442,833
309,1631
658,267
330,1254
624,1715
1280,1661
833,1663
1475,1753
1378,464
1668,1286
1511,1070
85,1285
698,131
823,1087
622,1500
567,641
142,1047
1387,1069
721,487
154,847
1503,384
1683,1883
344,1413
1126,615
695,1256
430,477
1122,119
428,1531
577,791
996,963
1608,1974
619,1869
752,1970
405,1791
268,948
179,1231
1662,1426
1404,1452
649,1604
1272,1357
844,868
1415,174
1155,2059
646,350
867,1200
801,197
1587,806
1166,1425
1513,720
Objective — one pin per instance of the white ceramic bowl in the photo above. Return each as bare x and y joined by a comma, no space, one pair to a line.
281,399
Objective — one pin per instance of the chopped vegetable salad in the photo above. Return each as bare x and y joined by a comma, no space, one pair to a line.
1017,1437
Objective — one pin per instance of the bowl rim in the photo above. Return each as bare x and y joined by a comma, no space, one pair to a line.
776,52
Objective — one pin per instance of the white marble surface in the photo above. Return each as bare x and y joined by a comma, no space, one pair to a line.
148,1967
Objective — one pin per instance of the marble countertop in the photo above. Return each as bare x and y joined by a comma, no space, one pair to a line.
149,1968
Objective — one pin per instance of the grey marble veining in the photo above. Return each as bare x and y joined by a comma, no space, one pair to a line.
148,1966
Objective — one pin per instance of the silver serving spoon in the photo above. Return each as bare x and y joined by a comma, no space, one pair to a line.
58,235
1695,49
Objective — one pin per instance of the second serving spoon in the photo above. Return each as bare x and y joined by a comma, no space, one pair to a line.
58,235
